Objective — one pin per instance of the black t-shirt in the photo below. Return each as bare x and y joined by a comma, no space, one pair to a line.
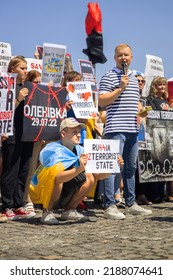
157,103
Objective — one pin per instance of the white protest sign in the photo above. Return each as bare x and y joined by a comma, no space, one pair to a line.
102,155
87,71
7,102
53,63
5,56
153,68
81,94
34,64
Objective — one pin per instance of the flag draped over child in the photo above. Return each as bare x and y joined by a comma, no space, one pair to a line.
54,158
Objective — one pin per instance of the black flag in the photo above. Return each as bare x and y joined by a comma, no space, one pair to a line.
94,40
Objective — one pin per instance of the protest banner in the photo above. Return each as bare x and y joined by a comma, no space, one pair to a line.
7,102
153,68
53,63
101,155
156,150
5,56
34,64
81,94
43,111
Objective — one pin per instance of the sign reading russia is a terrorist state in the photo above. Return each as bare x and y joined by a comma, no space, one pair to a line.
101,155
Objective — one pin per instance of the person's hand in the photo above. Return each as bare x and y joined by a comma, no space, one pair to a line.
4,137
82,161
22,94
143,112
68,104
50,84
120,161
36,55
124,82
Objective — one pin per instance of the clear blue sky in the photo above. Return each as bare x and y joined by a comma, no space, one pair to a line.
145,25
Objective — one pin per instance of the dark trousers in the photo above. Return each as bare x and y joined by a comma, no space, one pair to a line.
140,188
16,158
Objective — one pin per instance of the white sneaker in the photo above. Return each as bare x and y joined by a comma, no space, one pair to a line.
48,218
113,213
29,207
73,215
135,209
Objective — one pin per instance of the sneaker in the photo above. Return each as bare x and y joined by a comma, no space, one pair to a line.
73,215
3,218
29,206
48,218
10,214
23,213
113,213
120,203
135,209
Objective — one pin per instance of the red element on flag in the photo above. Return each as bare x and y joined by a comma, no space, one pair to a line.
93,19
94,40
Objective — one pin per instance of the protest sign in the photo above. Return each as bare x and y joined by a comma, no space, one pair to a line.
39,49
156,150
101,155
53,63
43,111
34,64
68,63
153,68
81,94
7,102
87,71
5,56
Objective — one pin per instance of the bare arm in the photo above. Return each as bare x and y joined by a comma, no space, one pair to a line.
22,93
67,175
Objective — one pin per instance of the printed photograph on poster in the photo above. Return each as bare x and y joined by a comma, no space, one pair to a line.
83,104
101,155
43,111
156,150
7,102
87,71
5,55
39,49
53,63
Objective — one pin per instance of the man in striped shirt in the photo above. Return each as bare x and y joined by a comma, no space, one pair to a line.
119,92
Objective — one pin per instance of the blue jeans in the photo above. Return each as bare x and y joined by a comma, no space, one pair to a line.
129,152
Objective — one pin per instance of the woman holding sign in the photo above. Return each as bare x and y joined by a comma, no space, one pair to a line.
157,99
16,154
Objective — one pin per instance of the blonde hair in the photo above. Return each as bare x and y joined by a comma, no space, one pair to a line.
154,84
121,46
15,61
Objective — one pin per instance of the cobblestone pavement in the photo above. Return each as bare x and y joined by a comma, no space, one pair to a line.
136,237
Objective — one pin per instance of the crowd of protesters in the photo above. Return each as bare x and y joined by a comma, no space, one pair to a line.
120,94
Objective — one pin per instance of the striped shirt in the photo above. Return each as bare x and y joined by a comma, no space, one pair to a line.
121,115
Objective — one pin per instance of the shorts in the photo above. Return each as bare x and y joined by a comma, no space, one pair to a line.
68,190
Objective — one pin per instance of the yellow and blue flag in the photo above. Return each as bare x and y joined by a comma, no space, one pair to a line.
54,158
